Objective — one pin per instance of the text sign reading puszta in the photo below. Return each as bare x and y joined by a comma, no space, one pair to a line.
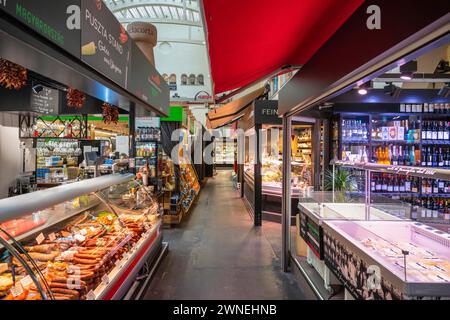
105,44
58,21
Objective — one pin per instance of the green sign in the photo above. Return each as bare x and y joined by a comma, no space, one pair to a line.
176,114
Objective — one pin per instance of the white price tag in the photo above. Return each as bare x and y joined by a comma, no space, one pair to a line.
17,290
3,267
105,279
83,232
40,238
26,282
52,237
90,295
79,237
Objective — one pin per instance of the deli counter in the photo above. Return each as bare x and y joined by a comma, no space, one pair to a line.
87,240
374,249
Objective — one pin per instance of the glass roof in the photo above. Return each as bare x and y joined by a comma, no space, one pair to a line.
183,12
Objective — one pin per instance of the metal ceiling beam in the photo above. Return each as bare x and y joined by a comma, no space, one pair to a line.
417,78
164,21
149,3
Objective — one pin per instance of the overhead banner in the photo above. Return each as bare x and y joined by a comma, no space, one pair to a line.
58,21
146,83
105,44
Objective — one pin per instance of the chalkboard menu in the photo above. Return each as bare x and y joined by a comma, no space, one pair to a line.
105,44
55,20
45,101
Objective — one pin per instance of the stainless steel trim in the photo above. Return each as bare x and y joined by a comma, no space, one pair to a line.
308,279
16,207
286,192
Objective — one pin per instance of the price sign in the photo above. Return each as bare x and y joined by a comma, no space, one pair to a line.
40,238
52,236
90,295
105,279
26,282
17,290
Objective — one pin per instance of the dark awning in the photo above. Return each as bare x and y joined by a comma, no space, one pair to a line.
232,111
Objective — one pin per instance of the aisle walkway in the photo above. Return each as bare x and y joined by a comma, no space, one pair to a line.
218,254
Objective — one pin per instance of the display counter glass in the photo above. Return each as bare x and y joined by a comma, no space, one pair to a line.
87,240
388,259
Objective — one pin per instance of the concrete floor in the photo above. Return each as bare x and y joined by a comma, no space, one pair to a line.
216,253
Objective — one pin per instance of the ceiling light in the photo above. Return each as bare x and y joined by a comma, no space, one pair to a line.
407,75
362,91
392,90
364,88
444,91
407,70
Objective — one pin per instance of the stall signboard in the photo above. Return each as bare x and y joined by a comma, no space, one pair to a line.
105,44
58,21
148,122
312,233
146,83
266,112
45,101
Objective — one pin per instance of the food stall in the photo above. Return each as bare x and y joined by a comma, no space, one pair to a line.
262,178
87,240
377,105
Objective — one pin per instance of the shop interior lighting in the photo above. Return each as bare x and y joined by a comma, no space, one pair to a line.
364,88
444,91
408,69
392,90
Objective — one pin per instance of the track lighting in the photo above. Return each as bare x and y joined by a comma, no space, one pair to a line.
407,70
364,88
392,90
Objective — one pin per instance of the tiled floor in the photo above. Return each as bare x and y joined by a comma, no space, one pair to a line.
216,253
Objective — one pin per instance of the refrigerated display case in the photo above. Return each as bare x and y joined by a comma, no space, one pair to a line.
89,239
388,259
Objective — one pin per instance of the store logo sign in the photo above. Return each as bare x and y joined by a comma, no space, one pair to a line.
73,21
374,20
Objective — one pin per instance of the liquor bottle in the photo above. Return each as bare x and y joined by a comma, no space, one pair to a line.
441,186
429,188
412,156
431,108
447,130
384,184
407,185
440,158
414,185
423,158
434,132
435,186
429,157
390,184
435,158
401,185
378,184
424,186
406,157
394,157
406,130
416,133
373,183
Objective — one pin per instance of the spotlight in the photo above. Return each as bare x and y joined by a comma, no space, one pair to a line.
407,75
407,70
392,90
364,88
444,91
362,91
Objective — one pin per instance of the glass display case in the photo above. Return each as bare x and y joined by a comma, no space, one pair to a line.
86,240
224,152
270,176
388,259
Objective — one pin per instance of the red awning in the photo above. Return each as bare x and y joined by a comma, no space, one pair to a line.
249,39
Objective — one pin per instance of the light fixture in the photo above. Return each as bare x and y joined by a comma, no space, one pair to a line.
362,91
444,91
392,90
407,70
364,88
